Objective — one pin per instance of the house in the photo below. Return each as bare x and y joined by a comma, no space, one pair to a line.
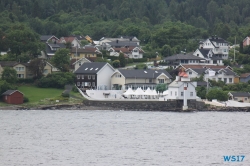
21,68
179,85
49,68
239,96
245,77
218,46
75,64
95,75
178,59
122,79
13,97
210,57
48,39
226,75
72,40
131,52
122,41
86,52
246,41
51,49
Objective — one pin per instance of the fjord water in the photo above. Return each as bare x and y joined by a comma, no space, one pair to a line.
116,138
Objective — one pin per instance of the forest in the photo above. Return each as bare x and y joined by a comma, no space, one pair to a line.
165,26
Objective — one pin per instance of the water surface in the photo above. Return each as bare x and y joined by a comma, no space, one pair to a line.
116,138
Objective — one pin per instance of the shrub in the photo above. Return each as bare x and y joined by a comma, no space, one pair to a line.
56,80
74,89
25,99
25,80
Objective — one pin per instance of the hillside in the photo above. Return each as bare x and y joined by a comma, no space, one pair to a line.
175,24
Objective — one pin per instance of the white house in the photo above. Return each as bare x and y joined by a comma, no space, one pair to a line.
95,75
208,54
176,89
219,46
131,52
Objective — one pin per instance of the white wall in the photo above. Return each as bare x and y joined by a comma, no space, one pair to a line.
104,77
98,94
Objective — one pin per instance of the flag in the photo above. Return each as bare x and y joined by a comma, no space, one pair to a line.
211,73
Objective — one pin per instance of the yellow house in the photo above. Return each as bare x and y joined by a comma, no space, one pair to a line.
123,79
87,52
21,68
49,68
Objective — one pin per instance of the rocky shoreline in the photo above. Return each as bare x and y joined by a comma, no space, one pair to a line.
85,107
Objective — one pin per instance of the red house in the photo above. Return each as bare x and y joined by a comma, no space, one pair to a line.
13,97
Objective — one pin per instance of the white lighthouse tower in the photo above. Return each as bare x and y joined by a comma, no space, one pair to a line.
186,80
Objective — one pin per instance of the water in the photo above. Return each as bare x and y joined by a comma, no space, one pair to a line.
117,138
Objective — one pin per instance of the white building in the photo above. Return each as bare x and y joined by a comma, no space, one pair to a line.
176,89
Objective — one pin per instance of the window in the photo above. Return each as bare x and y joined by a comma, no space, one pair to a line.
161,81
20,75
190,73
175,93
82,76
135,51
181,93
78,83
78,77
191,93
85,83
170,93
118,75
82,84
219,79
93,77
93,83
230,80
225,80
245,99
89,83
80,63
89,77
19,68
150,81
197,54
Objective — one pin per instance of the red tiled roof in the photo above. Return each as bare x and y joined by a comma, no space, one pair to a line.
245,75
67,39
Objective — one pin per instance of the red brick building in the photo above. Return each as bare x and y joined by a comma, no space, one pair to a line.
13,97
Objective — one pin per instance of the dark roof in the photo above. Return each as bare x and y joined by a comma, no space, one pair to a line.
123,43
204,52
8,63
200,71
203,83
240,94
9,92
143,73
57,45
46,37
217,40
188,56
216,58
90,68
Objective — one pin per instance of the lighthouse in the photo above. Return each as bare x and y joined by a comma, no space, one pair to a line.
183,76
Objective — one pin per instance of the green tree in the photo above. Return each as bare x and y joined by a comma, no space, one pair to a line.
61,59
161,88
116,63
216,93
9,75
122,60
4,86
36,66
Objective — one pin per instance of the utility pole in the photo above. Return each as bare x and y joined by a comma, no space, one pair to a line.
234,47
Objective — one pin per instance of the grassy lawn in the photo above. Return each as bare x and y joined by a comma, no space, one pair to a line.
47,96
36,94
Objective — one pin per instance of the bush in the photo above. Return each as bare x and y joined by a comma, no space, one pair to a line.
65,94
25,99
140,60
74,89
25,80
56,80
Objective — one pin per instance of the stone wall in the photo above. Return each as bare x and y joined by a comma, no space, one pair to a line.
146,105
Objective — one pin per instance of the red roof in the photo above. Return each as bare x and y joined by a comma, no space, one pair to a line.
245,75
67,39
